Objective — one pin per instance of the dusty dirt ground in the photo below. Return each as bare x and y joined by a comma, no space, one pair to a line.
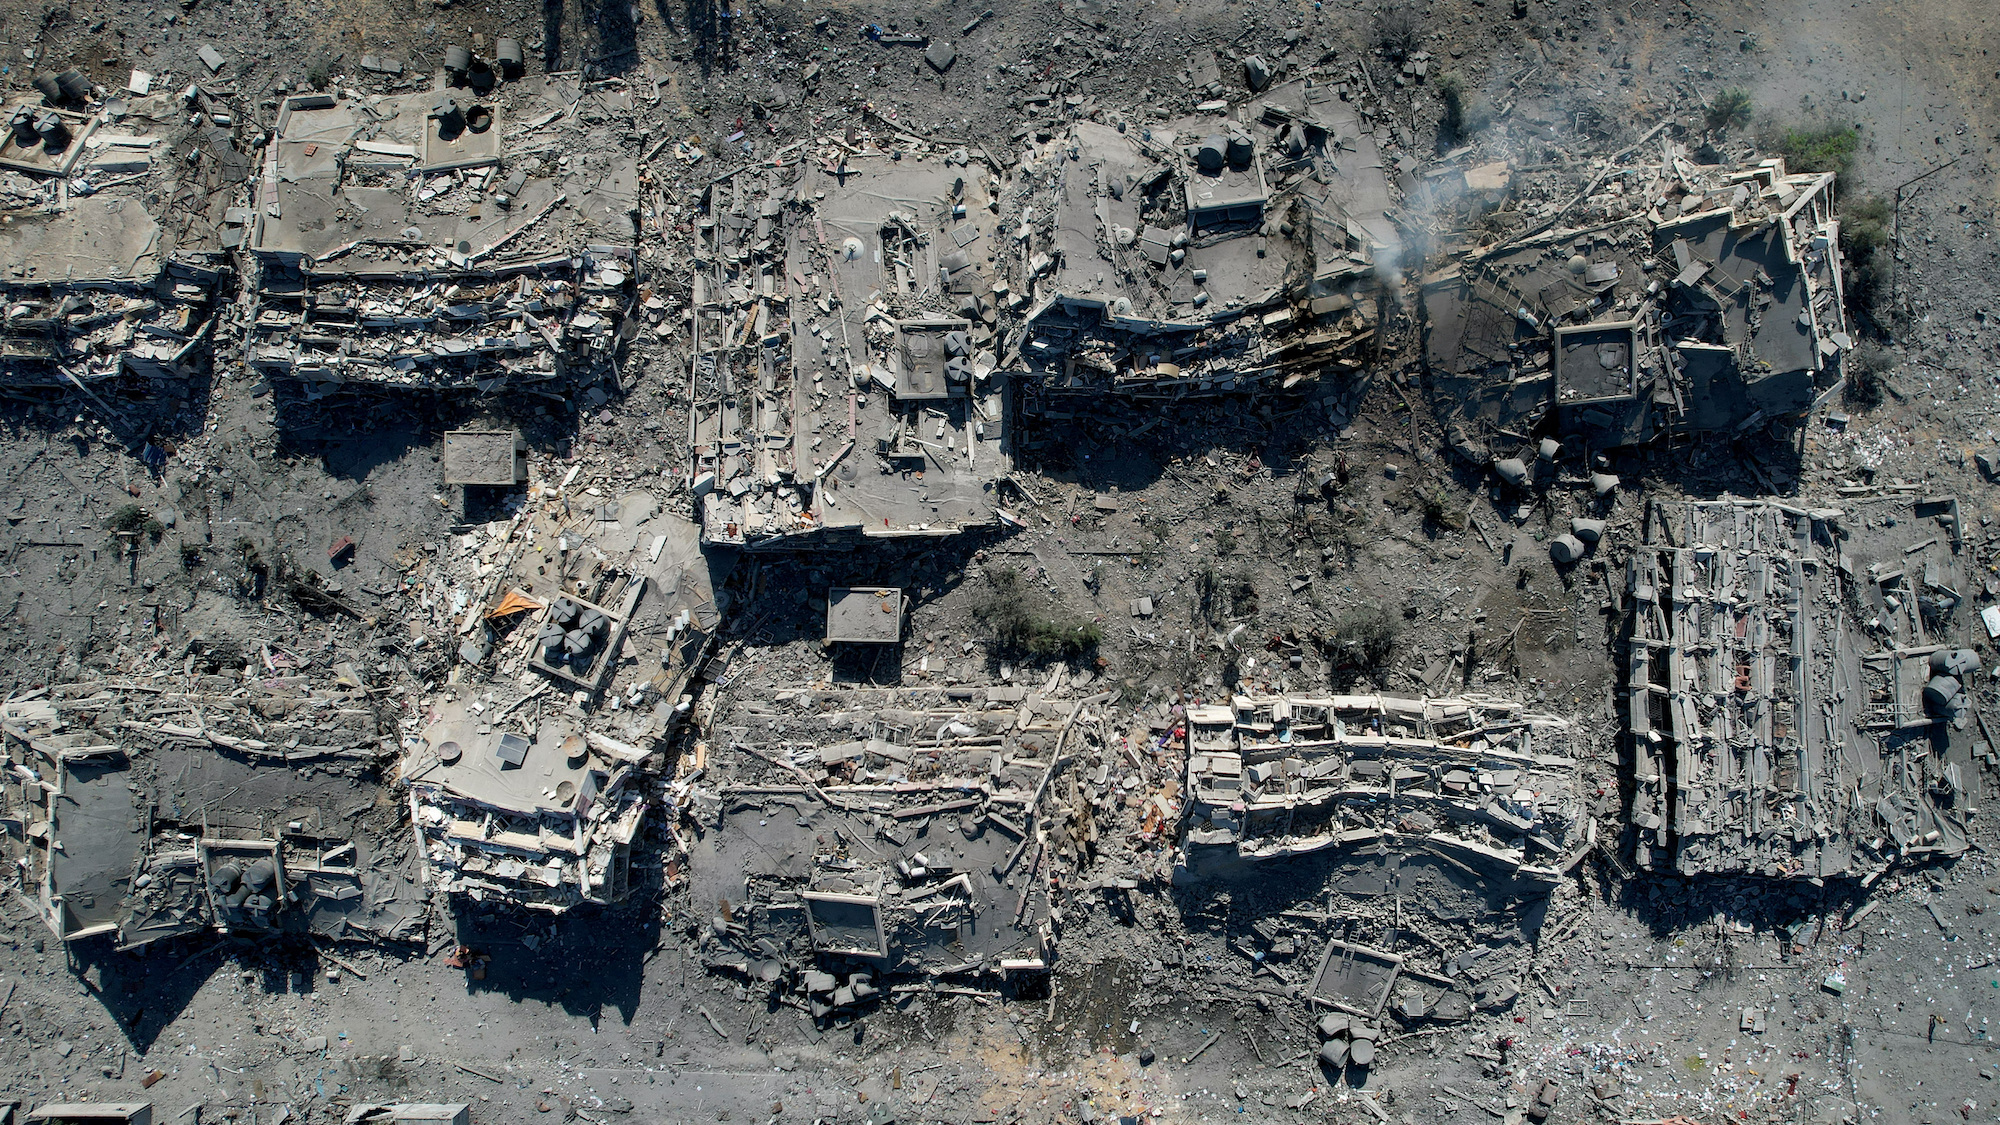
1640,984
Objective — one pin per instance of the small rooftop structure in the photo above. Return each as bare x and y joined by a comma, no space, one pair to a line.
871,615
491,458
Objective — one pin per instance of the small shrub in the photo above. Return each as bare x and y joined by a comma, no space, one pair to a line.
1729,110
1465,111
1437,509
153,528
1363,638
190,556
1397,32
1451,92
1864,237
1868,368
1864,224
1827,149
128,519
1019,628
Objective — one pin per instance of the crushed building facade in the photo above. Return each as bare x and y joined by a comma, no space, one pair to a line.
117,225
1797,682
1212,254
445,240
1479,780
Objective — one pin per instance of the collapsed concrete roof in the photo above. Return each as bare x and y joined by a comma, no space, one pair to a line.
444,241
611,604
145,814
530,819
1479,781
114,239
1796,686
894,830
843,355
1686,298
1204,257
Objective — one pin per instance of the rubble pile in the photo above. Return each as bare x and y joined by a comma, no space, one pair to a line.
1479,780
1670,297
701,519
843,380
117,233
1788,665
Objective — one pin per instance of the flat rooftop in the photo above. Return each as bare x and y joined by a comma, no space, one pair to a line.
864,615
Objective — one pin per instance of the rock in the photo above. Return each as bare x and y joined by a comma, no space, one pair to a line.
1603,483
1511,470
1256,72
1590,531
314,1043
941,55
1565,549
1549,448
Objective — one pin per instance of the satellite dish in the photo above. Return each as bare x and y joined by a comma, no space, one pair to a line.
851,250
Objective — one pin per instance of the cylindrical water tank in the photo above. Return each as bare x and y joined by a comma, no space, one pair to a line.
74,85
1211,153
53,130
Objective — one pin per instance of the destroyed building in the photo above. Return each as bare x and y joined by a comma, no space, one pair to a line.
1211,254
117,223
844,346
1798,686
609,604
457,239
879,831
1481,781
1671,297
145,813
